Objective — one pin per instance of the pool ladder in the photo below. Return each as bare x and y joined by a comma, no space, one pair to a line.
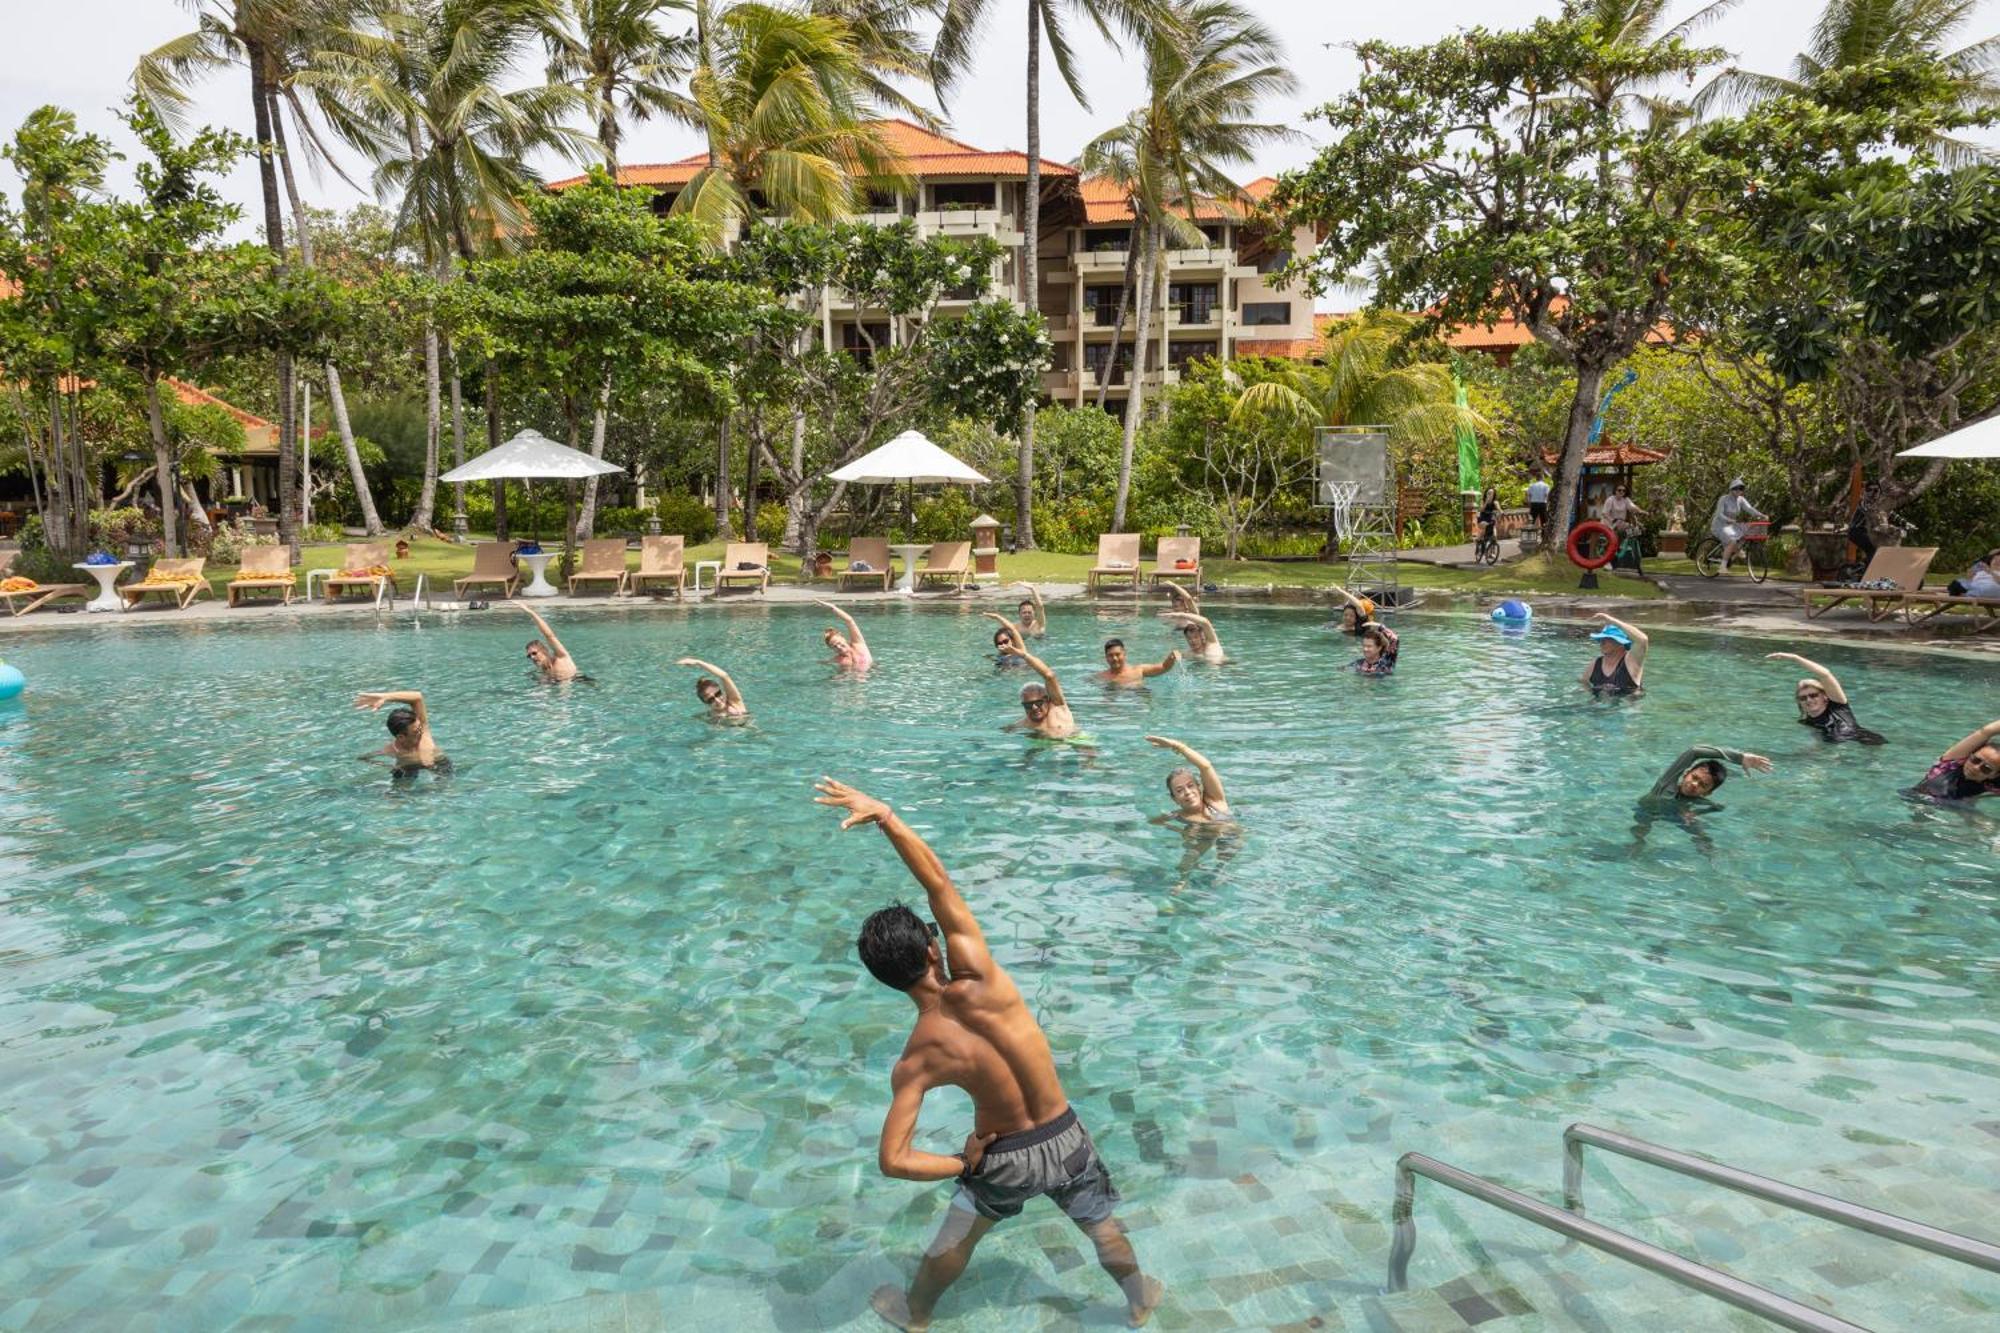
1569,1221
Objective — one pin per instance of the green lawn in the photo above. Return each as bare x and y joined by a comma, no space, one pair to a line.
443,561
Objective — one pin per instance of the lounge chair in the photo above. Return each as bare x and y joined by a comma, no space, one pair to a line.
492,567
662,560
264,569
1920,608
22,594
946,562
1176,559
874,553
603,562
181,580
364,568
1117,558
745,562
1901,567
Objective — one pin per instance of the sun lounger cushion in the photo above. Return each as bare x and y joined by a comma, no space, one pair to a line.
18,584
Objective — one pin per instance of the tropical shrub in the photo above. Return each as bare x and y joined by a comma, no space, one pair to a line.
687,516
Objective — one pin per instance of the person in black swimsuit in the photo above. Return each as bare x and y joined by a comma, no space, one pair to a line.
1823,704
1620,666
1967,770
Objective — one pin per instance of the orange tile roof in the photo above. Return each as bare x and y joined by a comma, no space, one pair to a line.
194,396
926,154
1105,202
1623,454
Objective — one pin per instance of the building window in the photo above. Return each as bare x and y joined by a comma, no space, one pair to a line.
1194,300
962,196
1095,356
1180,353
1100,303
883,201
1100,239
1273,260
1267,312
855,345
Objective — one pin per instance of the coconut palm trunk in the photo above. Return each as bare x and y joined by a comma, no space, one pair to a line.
1135,391
261,89
1124,299
433,426
1031,277
336,396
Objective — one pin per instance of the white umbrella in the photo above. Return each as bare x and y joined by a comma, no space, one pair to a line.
1979,440
530,456
909,458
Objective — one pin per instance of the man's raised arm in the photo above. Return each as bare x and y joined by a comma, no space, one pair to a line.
965,944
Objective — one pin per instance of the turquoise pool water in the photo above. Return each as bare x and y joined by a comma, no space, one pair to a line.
284,1047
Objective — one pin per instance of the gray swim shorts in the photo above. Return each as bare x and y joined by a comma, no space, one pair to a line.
1057,1159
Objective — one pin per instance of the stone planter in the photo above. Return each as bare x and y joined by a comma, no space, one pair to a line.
1673,543
1826,551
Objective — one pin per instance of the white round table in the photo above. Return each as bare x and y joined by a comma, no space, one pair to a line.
106,575
911,553
539,586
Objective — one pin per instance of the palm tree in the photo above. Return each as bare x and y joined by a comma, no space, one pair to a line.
1366,375
958,32
617,53
416,86
1856,32
783,97
1207,68
253,34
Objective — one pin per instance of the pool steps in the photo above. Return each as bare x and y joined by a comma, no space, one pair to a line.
1569,1221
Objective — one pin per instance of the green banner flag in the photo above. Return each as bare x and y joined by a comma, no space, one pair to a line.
1468,448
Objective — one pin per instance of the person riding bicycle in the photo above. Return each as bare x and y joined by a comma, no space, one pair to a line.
1489,517
1622,516
1728,525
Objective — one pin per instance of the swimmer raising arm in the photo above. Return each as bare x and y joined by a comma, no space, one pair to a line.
1118,671
1047,712
552,659
1013,630
721,695
1699,771
410,742
1182,599
1196,802
1825,678
1034,616
852,650
1202,640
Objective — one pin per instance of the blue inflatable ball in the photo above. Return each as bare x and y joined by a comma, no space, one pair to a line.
1513,612
12,682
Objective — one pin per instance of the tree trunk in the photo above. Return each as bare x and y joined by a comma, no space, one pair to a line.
750,461
492,443
797,500
274,238
1132,248
723,531
457,445
1576,440
163,468
1135,392
336,397
570,416
587,524
1031,276
433,413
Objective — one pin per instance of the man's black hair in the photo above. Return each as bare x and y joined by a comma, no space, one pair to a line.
1716,770
895,946
1109,644
400,720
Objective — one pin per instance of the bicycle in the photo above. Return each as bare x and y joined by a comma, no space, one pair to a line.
1708,553
1486,551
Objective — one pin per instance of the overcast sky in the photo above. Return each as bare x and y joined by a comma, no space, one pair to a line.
79,54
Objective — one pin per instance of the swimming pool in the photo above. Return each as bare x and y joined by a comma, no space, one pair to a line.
282,1045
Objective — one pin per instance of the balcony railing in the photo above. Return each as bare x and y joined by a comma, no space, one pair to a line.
961,219
1200,257
1099,261
1194,317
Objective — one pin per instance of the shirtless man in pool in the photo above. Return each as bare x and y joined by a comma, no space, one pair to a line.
550,658
975,1032
411,744
1047,712
1119,671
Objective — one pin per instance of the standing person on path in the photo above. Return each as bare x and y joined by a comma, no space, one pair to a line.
974,1032
1538,503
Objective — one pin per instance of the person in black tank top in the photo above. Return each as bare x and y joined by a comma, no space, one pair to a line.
1823,704
1619,667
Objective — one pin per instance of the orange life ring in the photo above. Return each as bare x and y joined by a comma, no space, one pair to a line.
1579,532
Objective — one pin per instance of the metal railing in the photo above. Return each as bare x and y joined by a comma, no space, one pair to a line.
1780,1310
1936,1240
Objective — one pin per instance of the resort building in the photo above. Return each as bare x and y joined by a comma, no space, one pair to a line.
1211,300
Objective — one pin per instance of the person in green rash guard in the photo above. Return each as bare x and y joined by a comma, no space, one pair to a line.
1684,790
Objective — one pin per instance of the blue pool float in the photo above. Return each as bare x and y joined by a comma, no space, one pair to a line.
12,682
1511,612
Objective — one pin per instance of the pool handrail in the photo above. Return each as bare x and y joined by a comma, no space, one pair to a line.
1922,1235
1726,1287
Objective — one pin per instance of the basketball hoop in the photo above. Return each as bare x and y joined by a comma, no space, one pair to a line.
1340,495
